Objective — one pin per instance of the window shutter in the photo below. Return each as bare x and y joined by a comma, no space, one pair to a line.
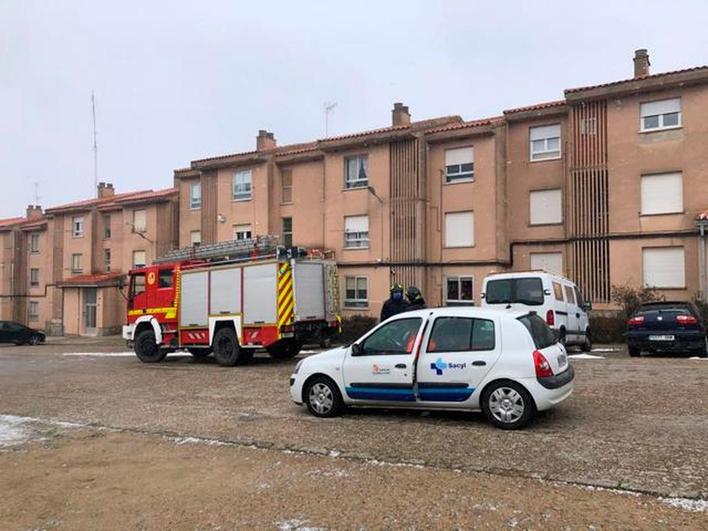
139,219
459,156
661,107
545,206
356,224
459,229
662,193
546,131
664,267
551,262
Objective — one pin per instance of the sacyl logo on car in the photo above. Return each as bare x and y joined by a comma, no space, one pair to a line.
439,366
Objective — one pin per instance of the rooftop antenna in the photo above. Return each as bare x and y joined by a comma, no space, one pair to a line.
95,144
328,109
36,192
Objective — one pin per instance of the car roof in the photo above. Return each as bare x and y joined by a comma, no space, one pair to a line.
465,311
525,274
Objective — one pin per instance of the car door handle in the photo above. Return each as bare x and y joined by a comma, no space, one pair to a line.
400,365
479,363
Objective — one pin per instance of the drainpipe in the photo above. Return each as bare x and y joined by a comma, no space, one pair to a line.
702,260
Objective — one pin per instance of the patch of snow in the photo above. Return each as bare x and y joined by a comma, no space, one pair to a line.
609,489
697,358
12,430
687,504
101,354
585,357
606,350
196,440
308,352
295,524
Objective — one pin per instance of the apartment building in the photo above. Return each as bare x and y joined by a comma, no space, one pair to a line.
63,270
604,186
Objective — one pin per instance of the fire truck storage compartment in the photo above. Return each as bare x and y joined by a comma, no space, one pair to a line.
309,291
194,310
225,291
259,293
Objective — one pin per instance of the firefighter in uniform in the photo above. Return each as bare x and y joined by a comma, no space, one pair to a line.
415,299
395,304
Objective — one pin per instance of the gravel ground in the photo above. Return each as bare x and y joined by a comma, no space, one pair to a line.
638,425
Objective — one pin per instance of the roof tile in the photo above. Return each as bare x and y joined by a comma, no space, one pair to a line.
652,76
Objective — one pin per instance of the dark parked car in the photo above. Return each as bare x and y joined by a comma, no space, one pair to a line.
20,334
666,327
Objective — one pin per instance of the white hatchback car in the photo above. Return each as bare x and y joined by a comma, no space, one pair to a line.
506,364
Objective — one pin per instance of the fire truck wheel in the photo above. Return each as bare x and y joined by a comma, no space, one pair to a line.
146,348
199,353
226,348
284,349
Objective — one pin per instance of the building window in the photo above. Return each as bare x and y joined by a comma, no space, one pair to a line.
107,227
288,232
460,291
34,277
139,259
544,142
195,195
356,292
662,193
459,229
242,185
356,171
34,243
664,267
662,114
34,311
286,186
76,263
356,232
78,226
545,207
195,237
459,164
106,260
551,262
139,221
242,232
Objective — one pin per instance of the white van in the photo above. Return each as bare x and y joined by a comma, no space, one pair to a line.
556,299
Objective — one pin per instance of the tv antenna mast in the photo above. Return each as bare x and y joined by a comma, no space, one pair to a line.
328,109
36,192
95,144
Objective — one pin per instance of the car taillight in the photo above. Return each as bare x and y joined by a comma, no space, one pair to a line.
636,320
543,368
550,318
686,320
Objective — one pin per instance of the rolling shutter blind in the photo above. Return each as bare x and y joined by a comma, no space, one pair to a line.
664,267
459,229
545,207
459,156
661,107
662,194
356,224
546,131
551,262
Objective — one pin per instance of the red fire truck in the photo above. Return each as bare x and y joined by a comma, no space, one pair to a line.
232,298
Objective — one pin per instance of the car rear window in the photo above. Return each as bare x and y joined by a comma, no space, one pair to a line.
461,334
527,291
541,333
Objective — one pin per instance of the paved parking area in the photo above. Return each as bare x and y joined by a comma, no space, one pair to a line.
638,425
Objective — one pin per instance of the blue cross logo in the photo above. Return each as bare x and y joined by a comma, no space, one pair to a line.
438,366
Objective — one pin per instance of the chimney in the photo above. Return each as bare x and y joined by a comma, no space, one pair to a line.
265,141
34,212
641,63
400,114
105,190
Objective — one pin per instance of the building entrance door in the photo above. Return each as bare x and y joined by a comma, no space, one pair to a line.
90,311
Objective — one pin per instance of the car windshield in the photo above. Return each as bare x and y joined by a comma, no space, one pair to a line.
541,333
527,291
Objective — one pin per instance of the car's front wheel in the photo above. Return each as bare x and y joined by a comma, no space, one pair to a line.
323,398
146,347
35,340
587,344
508,405
635,352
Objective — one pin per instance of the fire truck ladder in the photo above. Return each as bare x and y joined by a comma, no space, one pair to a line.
234,250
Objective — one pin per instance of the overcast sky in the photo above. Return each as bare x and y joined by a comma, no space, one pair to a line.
176,81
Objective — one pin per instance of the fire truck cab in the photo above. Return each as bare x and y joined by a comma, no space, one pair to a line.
231,299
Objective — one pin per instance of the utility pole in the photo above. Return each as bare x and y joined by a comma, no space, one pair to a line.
95,144
328,109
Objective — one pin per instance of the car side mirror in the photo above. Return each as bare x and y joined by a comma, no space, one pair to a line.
587,306
357,349
547,292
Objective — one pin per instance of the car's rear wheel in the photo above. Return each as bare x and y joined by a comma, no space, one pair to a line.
227,351
634,351
587,345
703,353
508,405
146,347
323,398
